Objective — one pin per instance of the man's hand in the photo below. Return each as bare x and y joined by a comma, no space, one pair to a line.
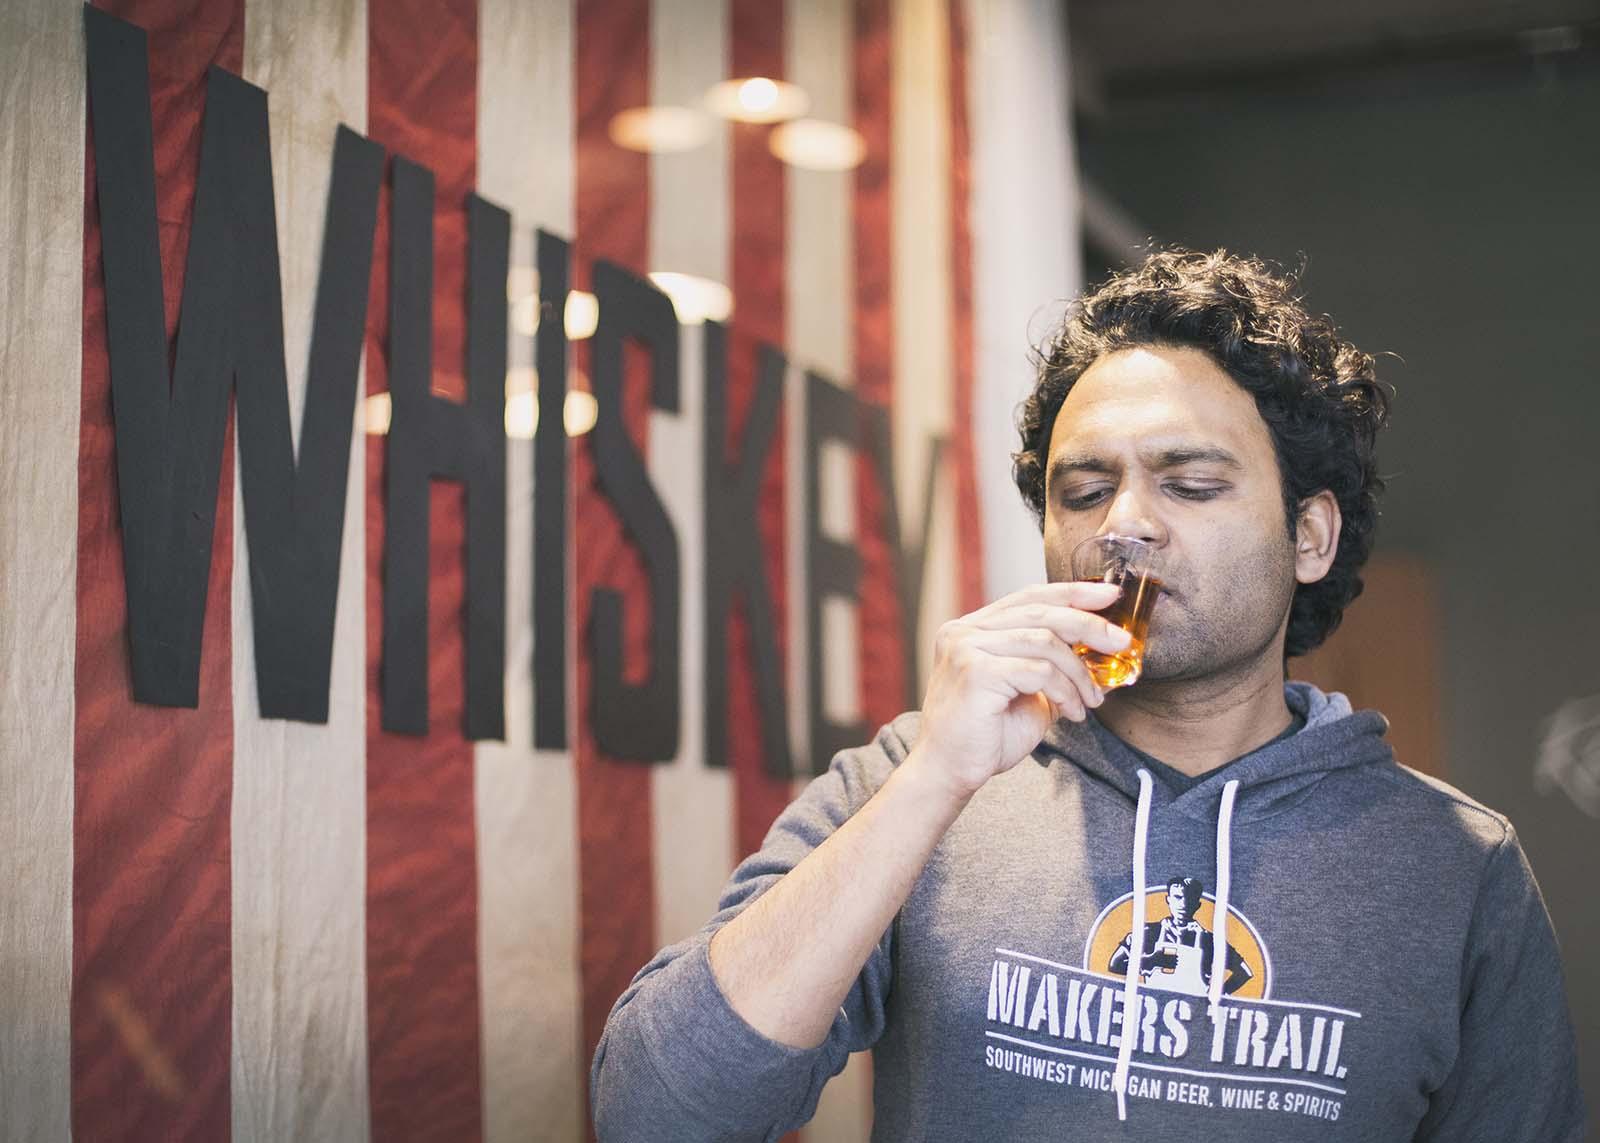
1003,674
1164,957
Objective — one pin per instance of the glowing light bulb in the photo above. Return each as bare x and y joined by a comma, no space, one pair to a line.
378,414
694,299
580,413
816,145
659,129
759,95
582,315
756,99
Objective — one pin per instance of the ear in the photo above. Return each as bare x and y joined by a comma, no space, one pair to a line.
1317,536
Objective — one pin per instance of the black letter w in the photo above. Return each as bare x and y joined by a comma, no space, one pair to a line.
170,432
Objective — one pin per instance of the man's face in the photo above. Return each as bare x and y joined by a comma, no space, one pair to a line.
1178,904
1115,465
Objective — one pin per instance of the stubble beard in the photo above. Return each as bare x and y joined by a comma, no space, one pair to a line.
1190,642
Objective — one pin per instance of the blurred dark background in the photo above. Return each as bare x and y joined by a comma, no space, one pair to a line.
1435,169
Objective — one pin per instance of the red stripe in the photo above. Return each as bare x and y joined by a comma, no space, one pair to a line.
969,533
759,316
422,917
615,867
151,897
882,667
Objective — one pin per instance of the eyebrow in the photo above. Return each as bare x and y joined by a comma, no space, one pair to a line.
1064,466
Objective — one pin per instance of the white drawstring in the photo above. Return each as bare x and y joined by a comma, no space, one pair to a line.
1130,979
1219,916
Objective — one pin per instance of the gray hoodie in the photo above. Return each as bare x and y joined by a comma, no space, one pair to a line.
1315,943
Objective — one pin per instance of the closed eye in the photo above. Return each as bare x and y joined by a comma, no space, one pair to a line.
1183,491
1192,493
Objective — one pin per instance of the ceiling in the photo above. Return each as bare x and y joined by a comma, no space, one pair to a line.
1137,48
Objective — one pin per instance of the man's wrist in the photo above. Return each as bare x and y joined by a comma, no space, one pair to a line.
932,779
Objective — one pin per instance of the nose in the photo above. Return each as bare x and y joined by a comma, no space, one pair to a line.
1130,514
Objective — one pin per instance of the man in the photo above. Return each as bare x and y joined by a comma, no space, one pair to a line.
1179,948
952,895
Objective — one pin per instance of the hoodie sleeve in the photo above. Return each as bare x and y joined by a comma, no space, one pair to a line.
1515,1078
676,1062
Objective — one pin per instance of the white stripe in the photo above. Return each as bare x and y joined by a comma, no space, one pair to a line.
299,1048
41,369
819,53
1025,247
692,805
923,301
526,800
1247,1078
819,239
819,236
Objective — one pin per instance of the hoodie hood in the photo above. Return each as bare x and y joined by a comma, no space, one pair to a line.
1271,779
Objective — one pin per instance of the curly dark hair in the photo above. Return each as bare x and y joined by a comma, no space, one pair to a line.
1318,394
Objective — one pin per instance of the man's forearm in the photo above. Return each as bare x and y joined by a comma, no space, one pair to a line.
787,962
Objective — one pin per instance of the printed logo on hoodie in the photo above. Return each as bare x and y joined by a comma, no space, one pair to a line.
1063,1024
1179,943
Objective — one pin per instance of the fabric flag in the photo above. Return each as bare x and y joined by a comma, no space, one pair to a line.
223,925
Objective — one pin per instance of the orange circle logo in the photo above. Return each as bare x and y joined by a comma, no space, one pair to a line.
1179,943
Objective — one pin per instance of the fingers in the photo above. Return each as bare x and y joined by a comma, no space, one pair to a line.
1041,643
1083,594
1023,645
1018,676
1060,611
